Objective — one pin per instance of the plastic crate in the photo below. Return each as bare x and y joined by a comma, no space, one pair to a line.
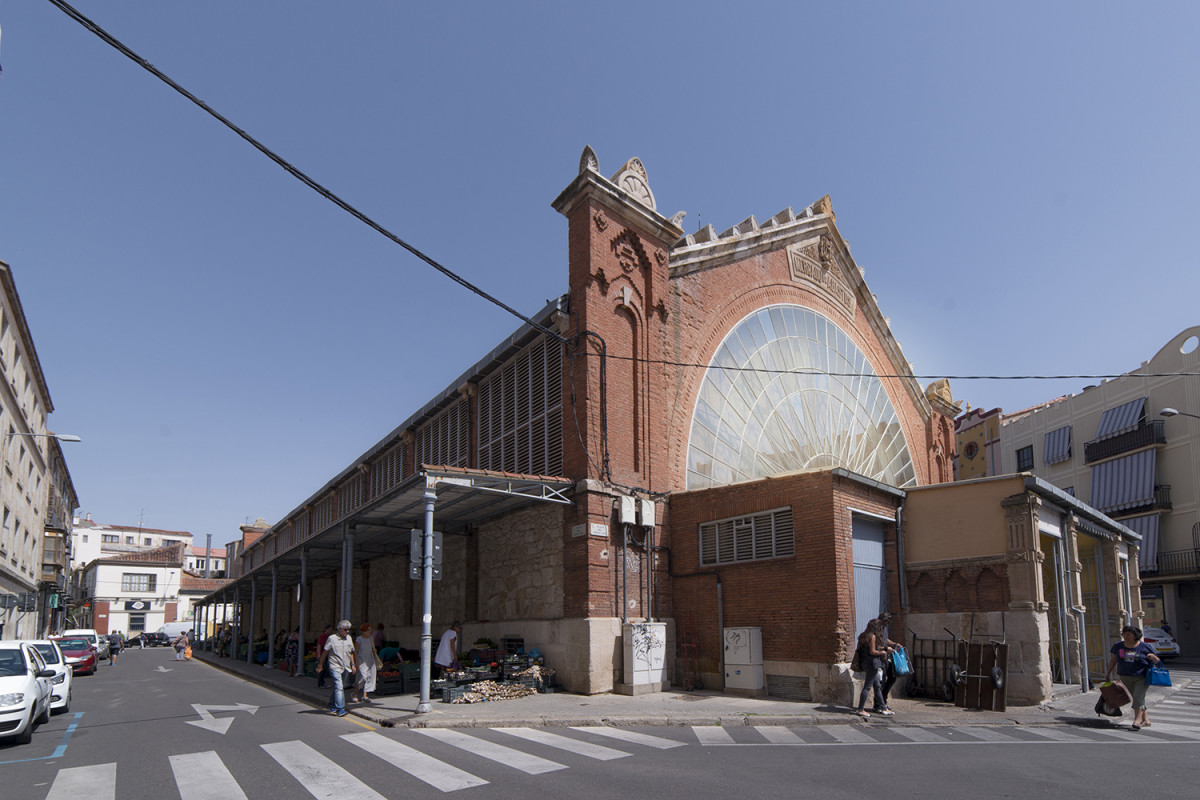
452,693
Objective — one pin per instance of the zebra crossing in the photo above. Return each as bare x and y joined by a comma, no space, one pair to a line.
205,776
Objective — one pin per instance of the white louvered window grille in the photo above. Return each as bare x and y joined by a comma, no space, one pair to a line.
520,413
388,469
351,495
323,513
445,440
748,538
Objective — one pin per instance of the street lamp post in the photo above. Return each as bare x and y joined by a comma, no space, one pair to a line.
62,437
1171,412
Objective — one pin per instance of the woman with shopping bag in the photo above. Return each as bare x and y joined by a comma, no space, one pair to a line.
1132,658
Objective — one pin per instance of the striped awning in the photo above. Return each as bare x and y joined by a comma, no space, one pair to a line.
1147,527
1126,482
1122,419
1057,445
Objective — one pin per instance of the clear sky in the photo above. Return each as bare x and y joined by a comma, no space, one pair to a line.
1019,182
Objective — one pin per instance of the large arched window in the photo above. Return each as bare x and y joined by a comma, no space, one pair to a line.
788,390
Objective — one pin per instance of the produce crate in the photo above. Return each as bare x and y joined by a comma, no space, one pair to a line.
452,693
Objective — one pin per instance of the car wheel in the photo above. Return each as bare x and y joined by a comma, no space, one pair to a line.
45,717
947,692
26,736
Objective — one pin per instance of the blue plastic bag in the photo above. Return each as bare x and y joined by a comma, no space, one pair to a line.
900,662
1157,675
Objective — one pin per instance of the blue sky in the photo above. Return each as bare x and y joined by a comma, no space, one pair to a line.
1019,182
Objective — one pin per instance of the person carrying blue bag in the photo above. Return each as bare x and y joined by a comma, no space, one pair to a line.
1132,658
890,673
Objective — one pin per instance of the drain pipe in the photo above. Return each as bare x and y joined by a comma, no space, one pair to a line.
900,559
721,627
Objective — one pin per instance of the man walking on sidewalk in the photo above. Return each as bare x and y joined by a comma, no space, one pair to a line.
339,653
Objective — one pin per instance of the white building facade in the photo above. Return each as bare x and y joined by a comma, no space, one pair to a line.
1111,446
30,467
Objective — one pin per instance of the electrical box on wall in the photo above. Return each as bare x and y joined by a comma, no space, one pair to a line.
646,512
626,511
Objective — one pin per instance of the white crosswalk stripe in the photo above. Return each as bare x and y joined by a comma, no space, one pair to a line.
1055,734
596,751
923,735
848,734
437,774
712,734
322,778
1177,730
203,776
986,734
98,781
633,737
776,735
529,764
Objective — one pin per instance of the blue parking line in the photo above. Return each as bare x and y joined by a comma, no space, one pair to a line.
59,751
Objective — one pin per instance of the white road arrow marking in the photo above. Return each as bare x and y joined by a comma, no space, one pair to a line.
211,723
161,668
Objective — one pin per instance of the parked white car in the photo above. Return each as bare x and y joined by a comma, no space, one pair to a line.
60,684
1164,644
24,690
99,642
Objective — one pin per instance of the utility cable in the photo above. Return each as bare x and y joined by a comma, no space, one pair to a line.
295,172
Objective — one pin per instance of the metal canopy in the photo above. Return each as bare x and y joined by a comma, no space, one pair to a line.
465,497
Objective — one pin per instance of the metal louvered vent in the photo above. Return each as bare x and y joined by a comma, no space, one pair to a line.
520,413
445,440
789,687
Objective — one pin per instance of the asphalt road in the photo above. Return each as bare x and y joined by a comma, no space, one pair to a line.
131,734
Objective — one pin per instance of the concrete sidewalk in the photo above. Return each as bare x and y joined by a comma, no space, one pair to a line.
664,708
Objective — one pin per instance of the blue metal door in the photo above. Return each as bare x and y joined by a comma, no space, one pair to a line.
870,589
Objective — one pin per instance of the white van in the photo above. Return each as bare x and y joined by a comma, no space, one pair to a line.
173,629
97,641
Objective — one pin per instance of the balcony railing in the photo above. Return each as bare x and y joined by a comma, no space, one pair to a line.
1174,562
1143,435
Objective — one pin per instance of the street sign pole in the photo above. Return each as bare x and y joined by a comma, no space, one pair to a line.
427,600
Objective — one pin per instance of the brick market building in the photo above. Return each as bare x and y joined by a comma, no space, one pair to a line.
712,430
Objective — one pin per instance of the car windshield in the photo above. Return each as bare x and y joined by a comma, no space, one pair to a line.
11,663
48,651
74,644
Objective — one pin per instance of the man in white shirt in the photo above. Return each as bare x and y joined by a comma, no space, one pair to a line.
447,652
339,652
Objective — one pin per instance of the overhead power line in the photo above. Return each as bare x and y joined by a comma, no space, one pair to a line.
362,217
291,169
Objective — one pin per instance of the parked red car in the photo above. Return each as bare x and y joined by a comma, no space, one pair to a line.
79,653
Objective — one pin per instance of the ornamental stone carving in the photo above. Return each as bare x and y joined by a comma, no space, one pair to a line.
633,180
814,263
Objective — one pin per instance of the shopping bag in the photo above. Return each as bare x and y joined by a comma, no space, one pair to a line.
1115,694
900,662
1158,675
187,653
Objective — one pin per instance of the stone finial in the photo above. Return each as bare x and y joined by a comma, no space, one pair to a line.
677,218
588,160
632,179
824,206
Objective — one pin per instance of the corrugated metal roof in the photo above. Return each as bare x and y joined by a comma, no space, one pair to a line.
1122,419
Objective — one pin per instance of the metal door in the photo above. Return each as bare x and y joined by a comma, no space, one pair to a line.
870,588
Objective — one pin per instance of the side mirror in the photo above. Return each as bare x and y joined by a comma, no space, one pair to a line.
46,673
